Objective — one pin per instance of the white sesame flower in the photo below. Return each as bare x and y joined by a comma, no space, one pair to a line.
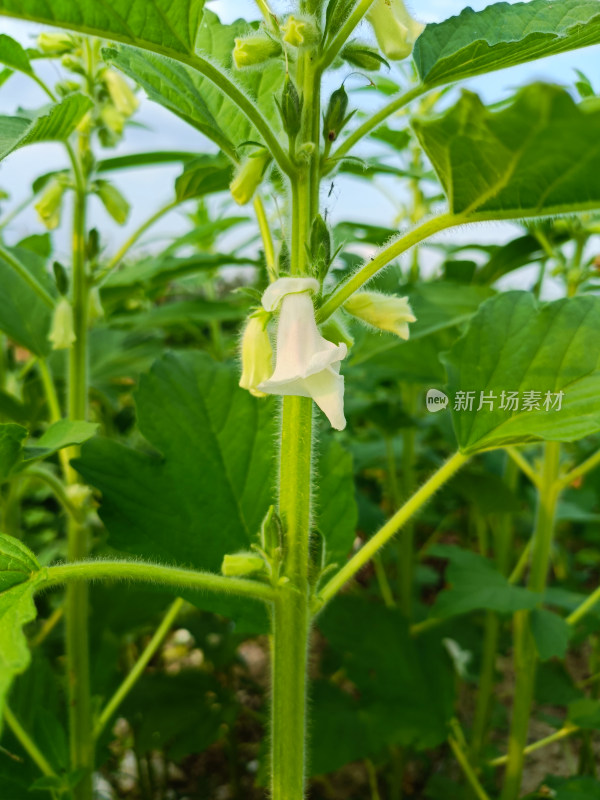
257,353
383,311
307,365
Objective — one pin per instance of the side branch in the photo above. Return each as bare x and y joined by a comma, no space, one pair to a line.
391,527
156,573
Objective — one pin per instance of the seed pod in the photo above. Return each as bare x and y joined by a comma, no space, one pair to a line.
290,108
335,117
61,278
250,51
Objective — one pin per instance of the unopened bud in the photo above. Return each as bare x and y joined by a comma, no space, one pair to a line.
61,278
382,311
79,495
249,176
236,564
120,92
95,308
62,334
290,108
298,32
113,119
113,201
270,532
249,51
320,247
257,353
396,31
335,117
363,57
55,44
49,205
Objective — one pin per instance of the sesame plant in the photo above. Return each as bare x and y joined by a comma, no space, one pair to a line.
236,493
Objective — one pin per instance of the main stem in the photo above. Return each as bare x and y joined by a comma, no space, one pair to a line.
291,610
525,654
77,594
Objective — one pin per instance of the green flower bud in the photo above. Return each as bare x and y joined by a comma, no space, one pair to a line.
61,278
363,57
95,308
249,51
237,564
290,108
270,532
320,247
335,118
120,92
73,63
55,44
113,119
257,353
298,32
61,333
382,311
49,205
249,176
395,30
113,201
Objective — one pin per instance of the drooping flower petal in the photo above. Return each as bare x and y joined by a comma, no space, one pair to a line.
396,31
307,365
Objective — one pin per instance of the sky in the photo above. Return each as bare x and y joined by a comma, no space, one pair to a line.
158,129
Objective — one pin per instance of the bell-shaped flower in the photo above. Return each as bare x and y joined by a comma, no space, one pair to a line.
124,100
298,32
307,365
250,51
383,311
249,176
62,333
257,353
396,31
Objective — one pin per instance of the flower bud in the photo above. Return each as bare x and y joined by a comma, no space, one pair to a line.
382,311
61,278
249,51
290,109
49,205
120,92
320,247
55,44
298,32
395,30
61,333
249,176
95,308
113,119
363,57
270,532
236,564
113,201
257,353
79,495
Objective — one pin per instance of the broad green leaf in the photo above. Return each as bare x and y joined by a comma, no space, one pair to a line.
476,584
12,438
17,562
155,24
18,572
53,125
337,514
204,175
405,686
13,55
144,160
551,633
538,352
203,489
582,788
23,315
63,433
194,98
503,35
182,314
585,713
537,156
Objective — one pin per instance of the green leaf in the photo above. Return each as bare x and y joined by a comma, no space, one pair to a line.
17,562
582,788
54,125
337,513
23,314
63,433
144,160
155,24
204,489
204,175
13,55
476,584
503,35
16,610
194,98
537,156
11,447
552,348
551,633
585,713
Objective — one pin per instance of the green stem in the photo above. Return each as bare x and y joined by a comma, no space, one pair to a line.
391,527
523,465
588,604
138,669
406,544
375,121
27,276
383,258
112,265
267,239
578,472
525,654
563,733
27,743
467,769
176,577
344,33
